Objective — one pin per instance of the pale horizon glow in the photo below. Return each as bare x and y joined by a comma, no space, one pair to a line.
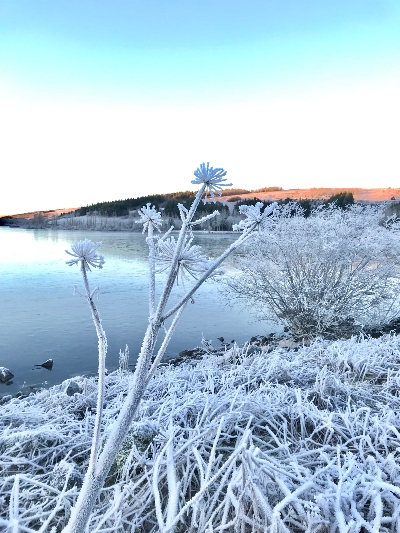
71,137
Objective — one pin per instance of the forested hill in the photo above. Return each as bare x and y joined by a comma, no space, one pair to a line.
230,197
166,201
123,207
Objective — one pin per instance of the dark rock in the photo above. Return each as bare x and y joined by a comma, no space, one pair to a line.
48,364
5,374
73,388
196,353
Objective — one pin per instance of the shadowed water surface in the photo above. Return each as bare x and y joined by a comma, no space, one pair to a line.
42,317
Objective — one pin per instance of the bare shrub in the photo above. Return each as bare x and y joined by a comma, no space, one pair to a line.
329,274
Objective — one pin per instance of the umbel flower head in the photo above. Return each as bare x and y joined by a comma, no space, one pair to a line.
149,216
212,178
255,218
86,251
190,262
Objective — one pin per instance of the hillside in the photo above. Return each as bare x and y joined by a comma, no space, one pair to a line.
47,214
360,195
322,193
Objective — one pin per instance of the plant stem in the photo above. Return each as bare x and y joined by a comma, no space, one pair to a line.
102,345
152,269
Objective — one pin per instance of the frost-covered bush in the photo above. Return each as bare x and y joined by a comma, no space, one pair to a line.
282,441
330,274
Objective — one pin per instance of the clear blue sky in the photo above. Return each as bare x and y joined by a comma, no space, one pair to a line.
104,100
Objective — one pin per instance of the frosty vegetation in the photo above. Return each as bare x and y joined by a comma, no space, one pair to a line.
331,274
244,440
180,259
249,439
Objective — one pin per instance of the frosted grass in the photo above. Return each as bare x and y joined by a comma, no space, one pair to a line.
284,441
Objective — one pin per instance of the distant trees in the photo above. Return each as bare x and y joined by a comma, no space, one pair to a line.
343,199
39,220
167,203
269,189
122,207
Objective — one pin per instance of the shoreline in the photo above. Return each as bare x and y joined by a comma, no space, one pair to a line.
258,342
119,230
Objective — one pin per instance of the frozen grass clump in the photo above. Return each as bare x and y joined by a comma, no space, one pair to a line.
284,441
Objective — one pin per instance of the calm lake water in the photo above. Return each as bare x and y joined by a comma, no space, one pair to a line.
42,318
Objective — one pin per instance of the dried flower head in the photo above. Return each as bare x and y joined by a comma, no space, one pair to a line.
255,218
190,262
149,217
86,251
212,178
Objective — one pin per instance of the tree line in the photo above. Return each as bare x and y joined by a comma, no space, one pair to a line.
168,203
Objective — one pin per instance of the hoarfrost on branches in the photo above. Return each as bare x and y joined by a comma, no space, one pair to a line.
255,218
330,274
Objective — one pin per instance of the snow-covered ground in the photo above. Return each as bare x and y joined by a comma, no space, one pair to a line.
249,440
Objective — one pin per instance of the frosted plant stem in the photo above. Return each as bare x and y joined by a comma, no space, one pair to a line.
165,342
14,498
173,485
152,269
95,478
102,341
97,472
174,264
100,464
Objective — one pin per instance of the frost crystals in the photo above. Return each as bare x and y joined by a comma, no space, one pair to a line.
254,217
149,217
190,261
212,178
86,251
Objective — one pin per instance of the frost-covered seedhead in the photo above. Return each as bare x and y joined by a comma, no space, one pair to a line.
190,261
212,178
255,218
149,217
86,251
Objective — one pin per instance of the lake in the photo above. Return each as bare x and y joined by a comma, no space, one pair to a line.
43,317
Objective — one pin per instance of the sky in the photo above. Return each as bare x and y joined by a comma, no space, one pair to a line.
105,100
